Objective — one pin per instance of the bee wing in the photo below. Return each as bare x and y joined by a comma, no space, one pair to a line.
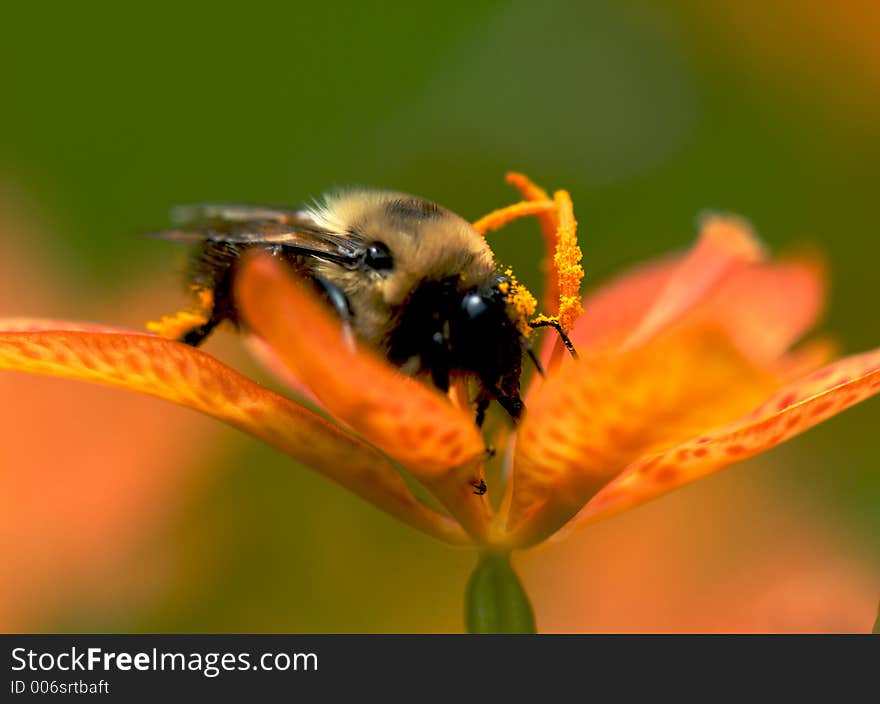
259,225
235,212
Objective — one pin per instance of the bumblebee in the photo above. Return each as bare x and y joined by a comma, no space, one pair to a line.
408,277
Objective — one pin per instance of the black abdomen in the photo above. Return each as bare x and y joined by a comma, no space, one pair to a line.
213,267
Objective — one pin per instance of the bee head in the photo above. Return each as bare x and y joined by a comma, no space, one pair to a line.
448,329
483,308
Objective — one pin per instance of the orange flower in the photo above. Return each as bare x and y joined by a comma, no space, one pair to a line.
683,368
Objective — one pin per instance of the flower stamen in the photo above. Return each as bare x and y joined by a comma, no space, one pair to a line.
566,262
501,217
564,272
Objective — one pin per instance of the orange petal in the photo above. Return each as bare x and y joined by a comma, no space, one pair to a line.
807,358
195,379
455,490
46,324
600,413
790,411
764,307
268,359
613,310
726,244
415,425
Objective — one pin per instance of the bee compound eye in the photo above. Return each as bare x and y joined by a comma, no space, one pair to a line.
474,306
378,257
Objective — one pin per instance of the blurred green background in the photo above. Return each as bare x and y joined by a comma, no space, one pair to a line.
647,112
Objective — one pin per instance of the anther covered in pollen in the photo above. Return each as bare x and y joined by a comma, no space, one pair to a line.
567,262
565,273
564,270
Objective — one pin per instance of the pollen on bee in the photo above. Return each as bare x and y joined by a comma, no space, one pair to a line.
205,297
175,326
544,319
523,302
560,234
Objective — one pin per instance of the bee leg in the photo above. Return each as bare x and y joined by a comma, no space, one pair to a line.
197,336
513,405
558,328
527,346
483,400
220,309
336,298
439,361
510,402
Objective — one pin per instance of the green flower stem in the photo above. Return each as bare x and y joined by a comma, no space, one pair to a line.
495,599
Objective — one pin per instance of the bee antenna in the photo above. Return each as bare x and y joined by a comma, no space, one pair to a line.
558,328
531,352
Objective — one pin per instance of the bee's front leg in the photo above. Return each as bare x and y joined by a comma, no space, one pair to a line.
483,401
513,404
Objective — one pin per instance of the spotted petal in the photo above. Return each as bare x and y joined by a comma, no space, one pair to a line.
726,245
763,306
790,411
49,324
414,424
597,415
197,380
614,309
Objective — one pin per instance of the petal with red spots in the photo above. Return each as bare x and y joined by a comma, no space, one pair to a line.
790,411
414,424
764,307
192,378
598,414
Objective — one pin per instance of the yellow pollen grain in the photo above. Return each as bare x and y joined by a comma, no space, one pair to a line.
205,296
521,299
174,327
544,318
559,227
